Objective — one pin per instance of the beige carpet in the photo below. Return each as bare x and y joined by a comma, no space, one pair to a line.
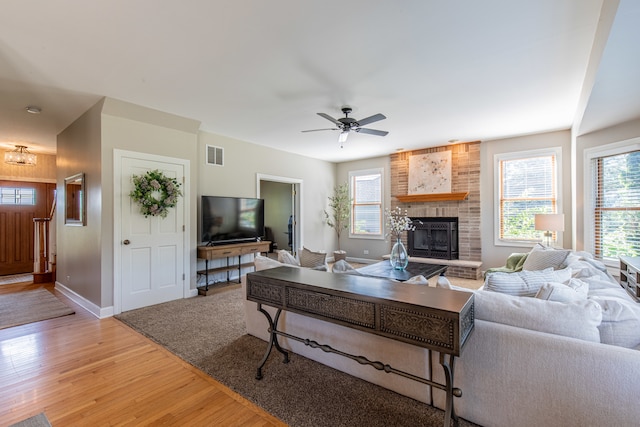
209,333
31,306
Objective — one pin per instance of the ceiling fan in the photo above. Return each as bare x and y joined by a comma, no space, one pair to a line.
347,124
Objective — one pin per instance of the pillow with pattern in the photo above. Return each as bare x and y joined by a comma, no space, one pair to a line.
524,283
311,259
541,258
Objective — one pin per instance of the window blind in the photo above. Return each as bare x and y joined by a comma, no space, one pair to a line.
616,205
366,218
527,187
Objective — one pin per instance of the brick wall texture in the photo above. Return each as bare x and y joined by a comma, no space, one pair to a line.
465,177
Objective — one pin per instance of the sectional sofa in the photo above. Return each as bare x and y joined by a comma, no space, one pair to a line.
553,345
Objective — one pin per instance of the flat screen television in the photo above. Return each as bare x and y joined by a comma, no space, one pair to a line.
231,219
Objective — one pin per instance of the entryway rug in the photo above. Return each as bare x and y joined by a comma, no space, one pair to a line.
31,306
16,278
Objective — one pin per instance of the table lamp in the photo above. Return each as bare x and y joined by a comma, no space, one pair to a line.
549,223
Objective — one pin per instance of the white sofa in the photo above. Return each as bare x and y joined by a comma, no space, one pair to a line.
512,375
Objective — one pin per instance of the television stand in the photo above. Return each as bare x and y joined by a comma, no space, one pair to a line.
227,251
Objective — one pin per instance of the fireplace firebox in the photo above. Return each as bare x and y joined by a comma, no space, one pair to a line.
434,237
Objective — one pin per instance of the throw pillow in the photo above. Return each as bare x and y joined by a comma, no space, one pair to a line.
444,283
263,263
286,258
524,283
578,319
342,266
541,258
311,259
418,280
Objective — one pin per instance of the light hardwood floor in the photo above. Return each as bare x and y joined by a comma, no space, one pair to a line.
82,371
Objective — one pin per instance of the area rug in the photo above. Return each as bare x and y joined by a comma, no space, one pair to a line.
39,420
31,306
16,278
209,333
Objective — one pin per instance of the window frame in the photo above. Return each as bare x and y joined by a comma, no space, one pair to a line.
352,176
590,154
18,196
497,159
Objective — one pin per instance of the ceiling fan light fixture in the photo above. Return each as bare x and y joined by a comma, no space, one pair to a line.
343,136
20,157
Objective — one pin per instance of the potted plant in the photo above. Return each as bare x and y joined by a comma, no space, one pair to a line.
340,205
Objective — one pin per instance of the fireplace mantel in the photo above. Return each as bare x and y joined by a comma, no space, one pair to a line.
437,197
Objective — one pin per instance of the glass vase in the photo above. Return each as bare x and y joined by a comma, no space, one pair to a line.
399,256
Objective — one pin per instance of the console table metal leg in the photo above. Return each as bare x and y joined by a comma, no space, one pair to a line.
447,362
206,274
273,340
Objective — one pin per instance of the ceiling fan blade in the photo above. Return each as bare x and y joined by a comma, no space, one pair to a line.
371,119
316,130
372,131
331,119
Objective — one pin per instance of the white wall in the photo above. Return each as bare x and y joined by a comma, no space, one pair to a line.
85,254
243,161
79,252
376,247
493,255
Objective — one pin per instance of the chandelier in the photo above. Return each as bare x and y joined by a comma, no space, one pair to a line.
20,156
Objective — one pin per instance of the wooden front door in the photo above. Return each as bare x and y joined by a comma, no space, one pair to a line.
20,203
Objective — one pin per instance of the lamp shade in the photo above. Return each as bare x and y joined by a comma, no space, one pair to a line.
549,222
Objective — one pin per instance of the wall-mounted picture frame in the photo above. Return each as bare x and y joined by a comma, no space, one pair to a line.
75,203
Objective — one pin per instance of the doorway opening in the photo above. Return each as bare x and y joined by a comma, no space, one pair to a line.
282,213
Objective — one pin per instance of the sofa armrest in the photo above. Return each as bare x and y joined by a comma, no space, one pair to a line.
512,376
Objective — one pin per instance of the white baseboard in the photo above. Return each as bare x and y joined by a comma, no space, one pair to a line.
99,312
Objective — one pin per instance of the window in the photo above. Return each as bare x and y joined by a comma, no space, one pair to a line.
527,184
614,203
17,196
366,208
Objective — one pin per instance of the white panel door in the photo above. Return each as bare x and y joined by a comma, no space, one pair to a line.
152,248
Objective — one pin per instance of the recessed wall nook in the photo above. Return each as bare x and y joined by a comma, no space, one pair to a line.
465,180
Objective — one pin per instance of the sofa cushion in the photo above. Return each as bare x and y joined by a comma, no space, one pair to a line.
620,320
578,319
524,283
574,290
541,258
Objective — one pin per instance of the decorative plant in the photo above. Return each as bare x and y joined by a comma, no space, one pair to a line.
340,204
398,222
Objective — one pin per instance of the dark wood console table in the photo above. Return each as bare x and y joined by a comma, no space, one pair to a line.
432,318
228,251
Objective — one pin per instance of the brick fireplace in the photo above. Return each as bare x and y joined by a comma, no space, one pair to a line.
465,178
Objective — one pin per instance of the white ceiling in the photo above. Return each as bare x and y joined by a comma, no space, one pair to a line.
259,71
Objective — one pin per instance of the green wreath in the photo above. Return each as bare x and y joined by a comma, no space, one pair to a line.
155,193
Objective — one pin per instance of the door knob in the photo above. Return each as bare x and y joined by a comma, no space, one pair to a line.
126,242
